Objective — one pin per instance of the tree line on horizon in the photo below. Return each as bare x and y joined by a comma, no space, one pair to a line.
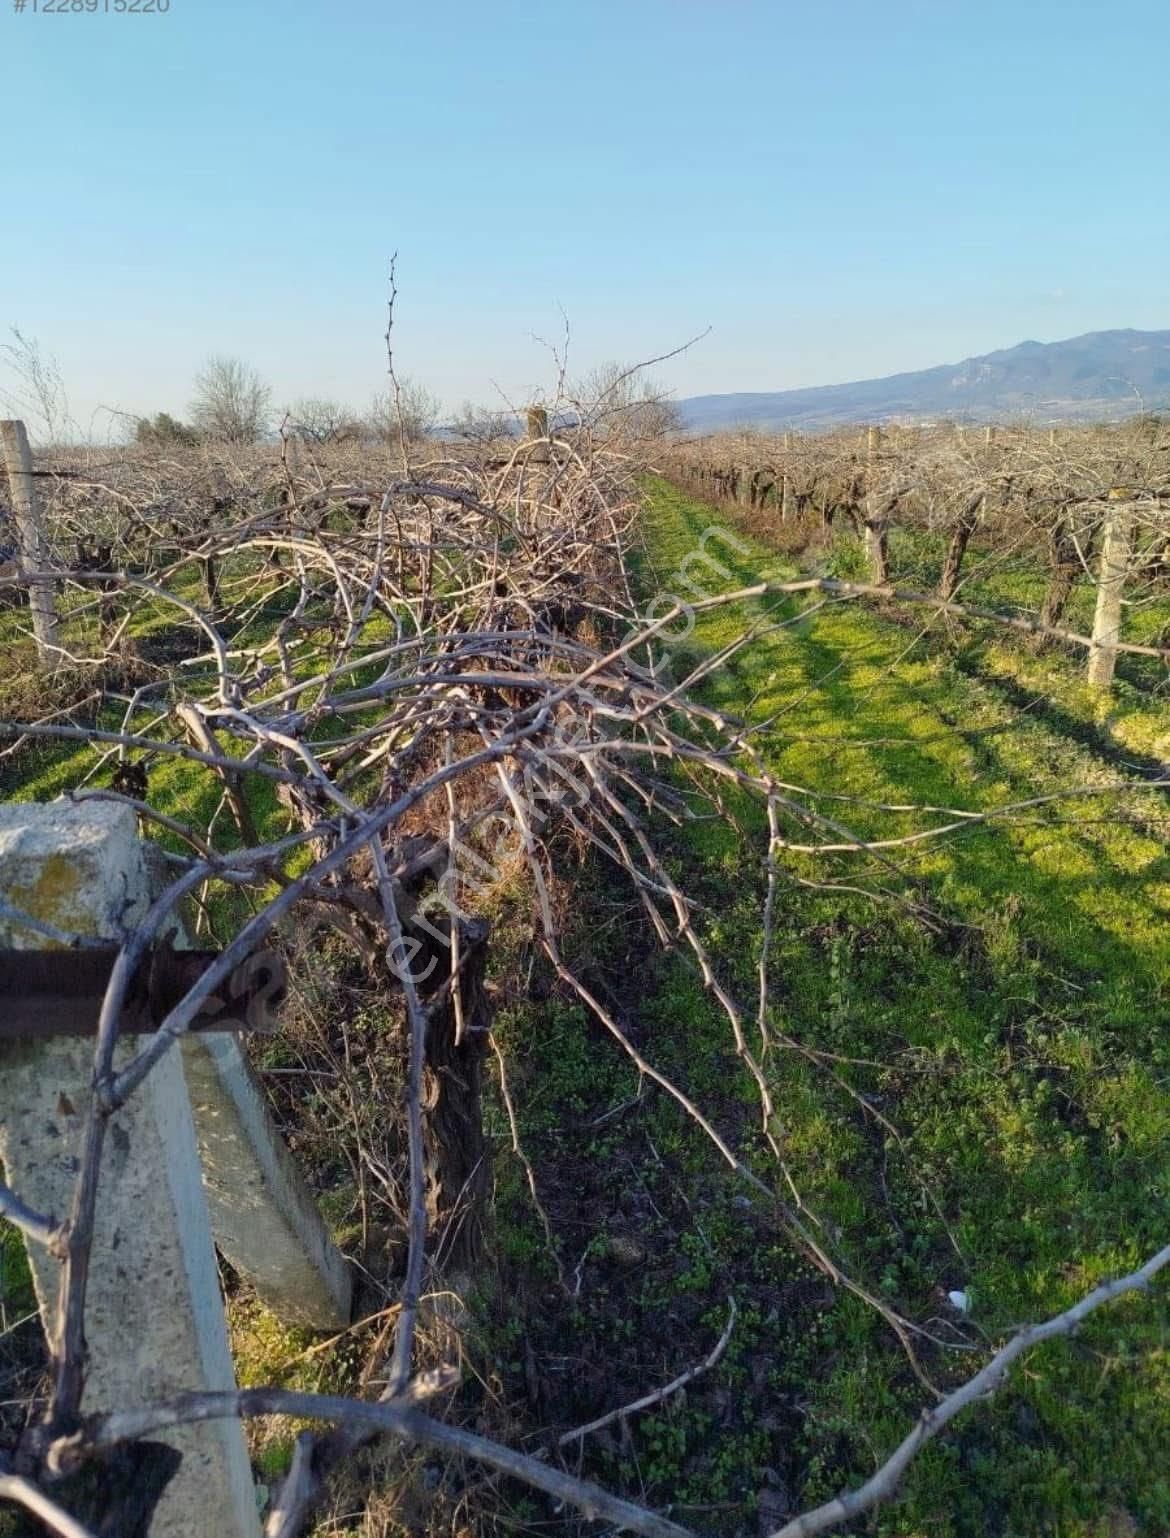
233,404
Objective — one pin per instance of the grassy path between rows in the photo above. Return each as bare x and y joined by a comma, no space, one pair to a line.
1025,1063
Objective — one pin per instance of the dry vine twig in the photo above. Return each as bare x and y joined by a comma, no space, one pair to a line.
844,1508
647,1401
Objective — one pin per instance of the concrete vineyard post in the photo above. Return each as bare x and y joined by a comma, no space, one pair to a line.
1114,568
876,539
33,541
786,482
263,1215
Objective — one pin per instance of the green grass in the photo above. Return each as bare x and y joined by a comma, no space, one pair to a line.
1026,1061
16,1289
157,636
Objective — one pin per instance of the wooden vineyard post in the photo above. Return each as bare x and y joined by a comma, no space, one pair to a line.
537,423
538,455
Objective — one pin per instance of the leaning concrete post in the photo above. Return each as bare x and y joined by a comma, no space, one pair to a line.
1115,554
154,1319
30,530
262,1213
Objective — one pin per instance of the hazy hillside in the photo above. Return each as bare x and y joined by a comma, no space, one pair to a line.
1104,374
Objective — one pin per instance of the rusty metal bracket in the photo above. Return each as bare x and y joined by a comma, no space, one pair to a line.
60,993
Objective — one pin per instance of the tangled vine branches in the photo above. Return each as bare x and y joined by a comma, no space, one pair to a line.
425,676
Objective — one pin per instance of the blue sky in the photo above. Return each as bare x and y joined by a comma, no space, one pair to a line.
838,190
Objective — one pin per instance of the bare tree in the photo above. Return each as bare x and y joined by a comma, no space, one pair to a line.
624,403
231,401
322,420
474,424
39,394
420,413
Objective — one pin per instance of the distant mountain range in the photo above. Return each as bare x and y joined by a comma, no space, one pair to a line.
1103,375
